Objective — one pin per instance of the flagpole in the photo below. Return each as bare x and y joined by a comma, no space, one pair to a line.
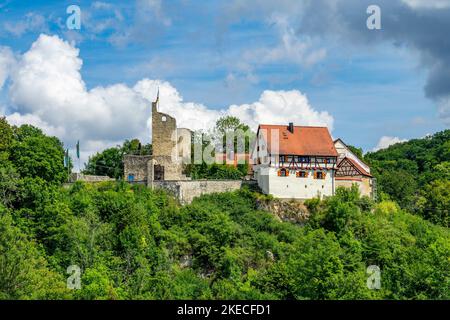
78,156
68,165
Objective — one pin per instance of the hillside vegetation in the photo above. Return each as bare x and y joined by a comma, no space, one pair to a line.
134,243
416,174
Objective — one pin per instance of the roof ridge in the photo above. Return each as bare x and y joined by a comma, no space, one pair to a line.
282,125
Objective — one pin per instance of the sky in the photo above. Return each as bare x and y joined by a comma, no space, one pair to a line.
273,62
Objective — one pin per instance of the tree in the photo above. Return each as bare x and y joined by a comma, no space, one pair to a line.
109,162
434,202
6,138
135,147
357,151
400,185
24,273
229,123
9,181
232,125
37,155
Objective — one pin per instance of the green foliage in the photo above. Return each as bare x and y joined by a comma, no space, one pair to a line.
36,155
434,202
400,185
242,135
135,243
109,162
410,172
357,151
217,171
6,136
24,273
9,180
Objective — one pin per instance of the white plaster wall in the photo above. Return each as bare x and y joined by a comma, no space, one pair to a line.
263,178
293,187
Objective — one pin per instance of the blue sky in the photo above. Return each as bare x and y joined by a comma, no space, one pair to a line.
222,53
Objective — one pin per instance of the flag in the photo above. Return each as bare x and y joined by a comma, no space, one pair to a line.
78,149
66,158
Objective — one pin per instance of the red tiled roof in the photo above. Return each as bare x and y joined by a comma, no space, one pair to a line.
357,167
305,141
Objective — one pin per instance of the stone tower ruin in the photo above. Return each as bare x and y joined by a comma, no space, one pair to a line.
171,150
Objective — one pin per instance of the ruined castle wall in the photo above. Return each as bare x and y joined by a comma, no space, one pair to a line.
184,142
172,171
186,191
88,178
164,129
136,166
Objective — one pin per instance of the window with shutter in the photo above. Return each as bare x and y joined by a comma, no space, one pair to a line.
283,172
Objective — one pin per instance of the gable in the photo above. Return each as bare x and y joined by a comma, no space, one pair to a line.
345,152
349,168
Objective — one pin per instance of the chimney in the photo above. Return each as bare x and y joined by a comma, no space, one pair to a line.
291,127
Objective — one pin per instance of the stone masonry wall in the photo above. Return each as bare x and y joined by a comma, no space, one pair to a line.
137,166
186,191
88,178
164,128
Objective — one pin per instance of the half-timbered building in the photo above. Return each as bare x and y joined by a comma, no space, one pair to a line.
352,170
295,161
303,162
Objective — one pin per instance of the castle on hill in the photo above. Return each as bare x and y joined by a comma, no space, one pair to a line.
287,161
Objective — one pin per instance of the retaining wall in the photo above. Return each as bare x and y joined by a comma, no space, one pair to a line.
186,191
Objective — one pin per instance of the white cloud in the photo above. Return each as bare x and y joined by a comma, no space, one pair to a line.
291,48
20,119
7,62
153,7
47,90
32,22
281,107
428,4
387,141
